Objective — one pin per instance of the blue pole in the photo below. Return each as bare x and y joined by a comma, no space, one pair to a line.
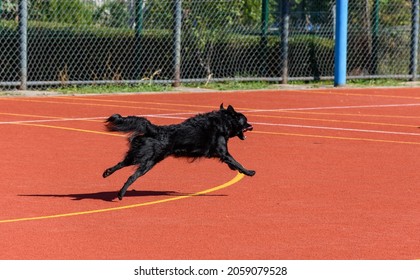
340,56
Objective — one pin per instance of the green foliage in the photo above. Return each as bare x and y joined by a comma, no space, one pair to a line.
395,12
68,11
112,14
200,60
78,12
8,9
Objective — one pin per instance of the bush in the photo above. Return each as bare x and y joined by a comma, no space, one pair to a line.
68,11
112,14
58,51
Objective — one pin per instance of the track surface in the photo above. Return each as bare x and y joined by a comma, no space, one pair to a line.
337,178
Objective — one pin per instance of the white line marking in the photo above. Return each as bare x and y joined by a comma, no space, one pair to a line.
51,120
338,128
332,108
177,116
171,115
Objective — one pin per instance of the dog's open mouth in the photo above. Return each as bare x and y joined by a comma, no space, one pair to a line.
242,135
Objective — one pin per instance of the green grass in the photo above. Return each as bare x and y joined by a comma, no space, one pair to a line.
101,89
355,83
231,85
157,87
377,82
219,86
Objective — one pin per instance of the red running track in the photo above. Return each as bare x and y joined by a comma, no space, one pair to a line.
337,178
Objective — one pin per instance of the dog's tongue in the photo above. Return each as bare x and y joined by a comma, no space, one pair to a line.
249,128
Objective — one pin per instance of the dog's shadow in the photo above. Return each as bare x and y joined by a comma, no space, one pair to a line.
112,196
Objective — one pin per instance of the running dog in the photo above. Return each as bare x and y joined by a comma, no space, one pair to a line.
204,135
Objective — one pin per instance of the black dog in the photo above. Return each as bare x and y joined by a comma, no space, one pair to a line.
204,135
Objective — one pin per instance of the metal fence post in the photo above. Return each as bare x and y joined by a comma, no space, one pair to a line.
23,35
414,40
264,40
285,41
177,45
340,55
375,38
139,16
138,11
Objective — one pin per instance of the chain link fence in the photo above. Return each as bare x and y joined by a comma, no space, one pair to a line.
172,41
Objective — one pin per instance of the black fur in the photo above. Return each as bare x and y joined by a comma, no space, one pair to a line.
204,135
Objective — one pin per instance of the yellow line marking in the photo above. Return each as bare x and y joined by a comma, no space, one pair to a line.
30,116
258,132
139,102
250,115
70,128
95,104
337,137
255,115
236,179
49,117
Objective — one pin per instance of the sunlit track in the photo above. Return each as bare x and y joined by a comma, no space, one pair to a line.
359,139
169,116
93,104
338,128
265,132
350,115
207,107
96,119
245,110
255,123
333,108
341,169
175,115
229,183
354,93
335,121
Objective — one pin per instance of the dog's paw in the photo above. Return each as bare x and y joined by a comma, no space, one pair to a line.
120,196
106,173
249,173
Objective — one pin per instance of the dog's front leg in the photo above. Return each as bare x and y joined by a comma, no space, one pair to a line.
233,164
225,157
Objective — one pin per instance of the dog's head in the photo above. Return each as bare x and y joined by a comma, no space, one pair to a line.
239,123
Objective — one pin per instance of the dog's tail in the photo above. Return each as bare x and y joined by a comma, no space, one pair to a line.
137,125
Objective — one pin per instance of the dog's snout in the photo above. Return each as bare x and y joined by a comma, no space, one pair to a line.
249,127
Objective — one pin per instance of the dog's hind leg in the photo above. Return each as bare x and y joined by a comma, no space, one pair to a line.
111,170
127,161
143,169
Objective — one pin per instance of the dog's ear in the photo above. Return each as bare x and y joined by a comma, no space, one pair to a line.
221,107
230,109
